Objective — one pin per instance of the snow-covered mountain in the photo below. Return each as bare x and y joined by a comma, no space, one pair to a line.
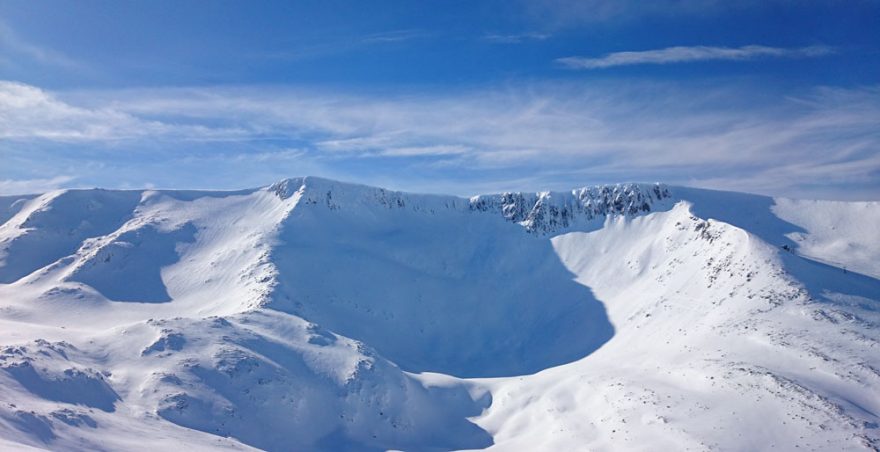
318,315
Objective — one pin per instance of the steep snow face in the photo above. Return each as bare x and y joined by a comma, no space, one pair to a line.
319,315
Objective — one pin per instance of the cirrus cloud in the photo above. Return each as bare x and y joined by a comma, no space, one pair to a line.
681,54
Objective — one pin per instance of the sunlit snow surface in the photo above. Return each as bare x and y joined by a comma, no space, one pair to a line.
319,315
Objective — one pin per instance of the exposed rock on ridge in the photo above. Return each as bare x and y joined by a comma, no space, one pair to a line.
547,212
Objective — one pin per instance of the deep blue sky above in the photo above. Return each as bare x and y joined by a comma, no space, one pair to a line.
773,96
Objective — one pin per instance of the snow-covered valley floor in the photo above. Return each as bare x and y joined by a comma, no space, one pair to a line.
320,315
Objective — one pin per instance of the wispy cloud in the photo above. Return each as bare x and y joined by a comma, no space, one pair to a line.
28,113
334,44
416,151
681,54
393,36
516,38
542,136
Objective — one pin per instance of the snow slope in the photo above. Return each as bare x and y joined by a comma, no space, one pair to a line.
319,315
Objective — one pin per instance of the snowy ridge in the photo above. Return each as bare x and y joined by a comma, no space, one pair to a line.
539,213
319,315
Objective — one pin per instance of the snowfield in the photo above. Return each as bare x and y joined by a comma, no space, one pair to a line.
319,315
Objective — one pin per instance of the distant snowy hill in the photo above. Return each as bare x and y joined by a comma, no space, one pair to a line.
319,315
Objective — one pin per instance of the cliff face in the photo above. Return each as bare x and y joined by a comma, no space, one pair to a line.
550,212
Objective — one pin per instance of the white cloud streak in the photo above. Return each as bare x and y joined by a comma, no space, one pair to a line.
27,112
550,136
516,38
336,44
682,54
416,151
393,36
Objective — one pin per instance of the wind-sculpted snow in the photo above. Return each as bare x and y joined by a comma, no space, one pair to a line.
319,315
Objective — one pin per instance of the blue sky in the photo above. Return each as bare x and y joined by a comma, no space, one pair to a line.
774,96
